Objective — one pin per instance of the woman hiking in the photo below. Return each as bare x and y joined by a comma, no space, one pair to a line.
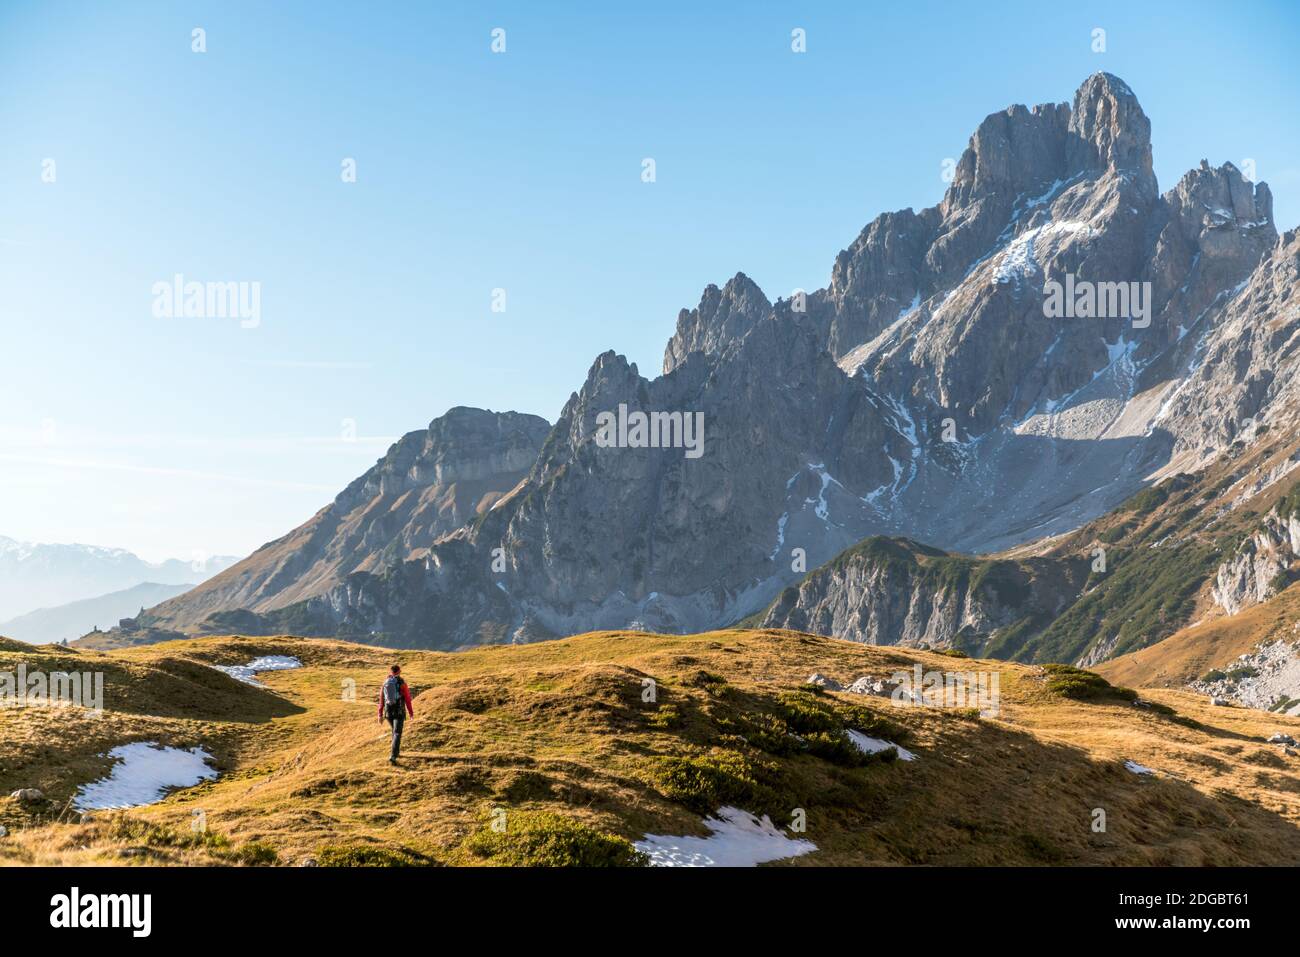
394,706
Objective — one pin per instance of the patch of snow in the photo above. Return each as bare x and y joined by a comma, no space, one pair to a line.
902,423
1119,349
780,532
739,839
144,772
1047,195
869,745
1019,263
1138,768
823,509
872,497
246,673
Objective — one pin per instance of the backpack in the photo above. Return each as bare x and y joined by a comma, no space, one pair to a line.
393,698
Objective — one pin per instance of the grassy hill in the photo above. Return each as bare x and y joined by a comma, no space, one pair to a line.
558,738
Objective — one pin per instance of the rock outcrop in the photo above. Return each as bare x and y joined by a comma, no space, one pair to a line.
723,316
897,592
1261,567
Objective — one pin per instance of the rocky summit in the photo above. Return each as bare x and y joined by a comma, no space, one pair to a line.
992,373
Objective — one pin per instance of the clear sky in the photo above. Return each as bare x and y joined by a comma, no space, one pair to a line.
478,171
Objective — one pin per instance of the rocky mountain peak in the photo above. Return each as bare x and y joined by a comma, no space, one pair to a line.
723,316
1019,150
1015,151
464,444
1108,129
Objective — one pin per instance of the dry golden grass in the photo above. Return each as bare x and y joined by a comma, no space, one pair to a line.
561,727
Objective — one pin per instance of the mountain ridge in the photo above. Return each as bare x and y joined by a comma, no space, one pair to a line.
925,392
65,622
43,575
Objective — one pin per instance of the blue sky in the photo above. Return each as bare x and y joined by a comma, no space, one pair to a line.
478,171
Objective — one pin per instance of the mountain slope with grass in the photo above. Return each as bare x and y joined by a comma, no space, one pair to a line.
1194,546
572,751
1204,647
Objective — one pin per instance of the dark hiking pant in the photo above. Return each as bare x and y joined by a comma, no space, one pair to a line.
397,724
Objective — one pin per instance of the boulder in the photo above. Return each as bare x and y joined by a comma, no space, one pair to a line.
821,681
28,795
870,685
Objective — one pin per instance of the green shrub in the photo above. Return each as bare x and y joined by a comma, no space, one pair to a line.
763,731
356,855
157,835
706,782
1147,500
257,854
1071,682
667,717
805,715
707,680
1289,504
547,839
839,749
1115,533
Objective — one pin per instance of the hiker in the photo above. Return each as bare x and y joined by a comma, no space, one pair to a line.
394,706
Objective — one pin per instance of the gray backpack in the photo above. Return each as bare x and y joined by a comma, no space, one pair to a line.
393,698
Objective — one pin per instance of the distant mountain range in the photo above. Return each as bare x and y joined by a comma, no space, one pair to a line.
76,618
38,576
988,375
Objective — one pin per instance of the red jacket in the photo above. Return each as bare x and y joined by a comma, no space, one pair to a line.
406,697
